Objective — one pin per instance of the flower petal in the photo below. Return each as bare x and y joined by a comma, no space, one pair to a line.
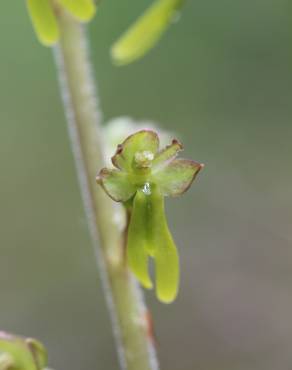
145,32
44,21
167,154
177,176
144,140
83,10
116,184
137,255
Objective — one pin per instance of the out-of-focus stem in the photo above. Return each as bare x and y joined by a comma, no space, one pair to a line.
124,298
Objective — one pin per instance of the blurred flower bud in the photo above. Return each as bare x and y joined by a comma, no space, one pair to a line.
43,16
146,31
18,353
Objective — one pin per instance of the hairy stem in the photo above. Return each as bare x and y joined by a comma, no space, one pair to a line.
106,219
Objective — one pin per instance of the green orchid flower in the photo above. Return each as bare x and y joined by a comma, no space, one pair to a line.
142,177
18,353
43,16
146,31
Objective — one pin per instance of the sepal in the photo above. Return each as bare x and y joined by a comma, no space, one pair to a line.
141,141
116,184
176,177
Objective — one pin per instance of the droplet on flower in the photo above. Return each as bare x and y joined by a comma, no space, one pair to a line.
146,188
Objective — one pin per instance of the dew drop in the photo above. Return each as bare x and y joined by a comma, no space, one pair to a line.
146,188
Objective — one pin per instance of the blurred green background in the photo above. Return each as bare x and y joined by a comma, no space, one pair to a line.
221,78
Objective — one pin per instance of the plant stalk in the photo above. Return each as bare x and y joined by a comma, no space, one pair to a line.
106,219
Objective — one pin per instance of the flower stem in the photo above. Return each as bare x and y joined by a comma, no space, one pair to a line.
124,298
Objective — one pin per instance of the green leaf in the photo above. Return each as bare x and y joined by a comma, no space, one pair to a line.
145,32
116,184
141,141
44,21
175,178
83,10
137,255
